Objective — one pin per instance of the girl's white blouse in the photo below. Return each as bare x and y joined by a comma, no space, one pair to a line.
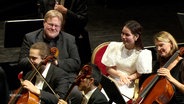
128,61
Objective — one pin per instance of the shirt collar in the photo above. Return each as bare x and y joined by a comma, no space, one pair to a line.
88,95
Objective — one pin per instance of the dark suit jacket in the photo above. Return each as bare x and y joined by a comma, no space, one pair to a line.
58,80
76,17
97,98
68,58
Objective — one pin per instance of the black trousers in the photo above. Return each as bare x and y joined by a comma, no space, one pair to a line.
84,48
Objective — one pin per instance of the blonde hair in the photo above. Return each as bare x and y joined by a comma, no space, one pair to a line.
53,13
165,36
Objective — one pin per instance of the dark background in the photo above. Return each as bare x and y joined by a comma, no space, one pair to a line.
107,16
105,20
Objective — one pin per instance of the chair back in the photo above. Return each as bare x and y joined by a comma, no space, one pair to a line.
97,57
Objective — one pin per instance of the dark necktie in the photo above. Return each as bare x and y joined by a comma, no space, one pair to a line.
52,43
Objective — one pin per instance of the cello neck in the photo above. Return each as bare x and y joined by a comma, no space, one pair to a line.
176,54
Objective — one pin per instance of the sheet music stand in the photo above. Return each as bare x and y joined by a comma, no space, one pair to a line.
112,91
181,19
14,31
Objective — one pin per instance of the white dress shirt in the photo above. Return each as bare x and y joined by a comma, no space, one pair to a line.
39,81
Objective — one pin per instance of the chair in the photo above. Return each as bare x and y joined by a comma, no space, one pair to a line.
97,56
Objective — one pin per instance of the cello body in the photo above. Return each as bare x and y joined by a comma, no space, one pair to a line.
28,98
25,97
161,93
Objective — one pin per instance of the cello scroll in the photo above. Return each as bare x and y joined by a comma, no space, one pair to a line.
86,70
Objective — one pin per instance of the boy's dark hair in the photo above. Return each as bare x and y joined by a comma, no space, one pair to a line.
96,74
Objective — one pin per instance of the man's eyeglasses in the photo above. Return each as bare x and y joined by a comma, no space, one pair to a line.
51,25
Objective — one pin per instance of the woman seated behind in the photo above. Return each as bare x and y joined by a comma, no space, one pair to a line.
166,46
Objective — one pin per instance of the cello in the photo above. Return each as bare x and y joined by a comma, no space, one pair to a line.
157,89
23,96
